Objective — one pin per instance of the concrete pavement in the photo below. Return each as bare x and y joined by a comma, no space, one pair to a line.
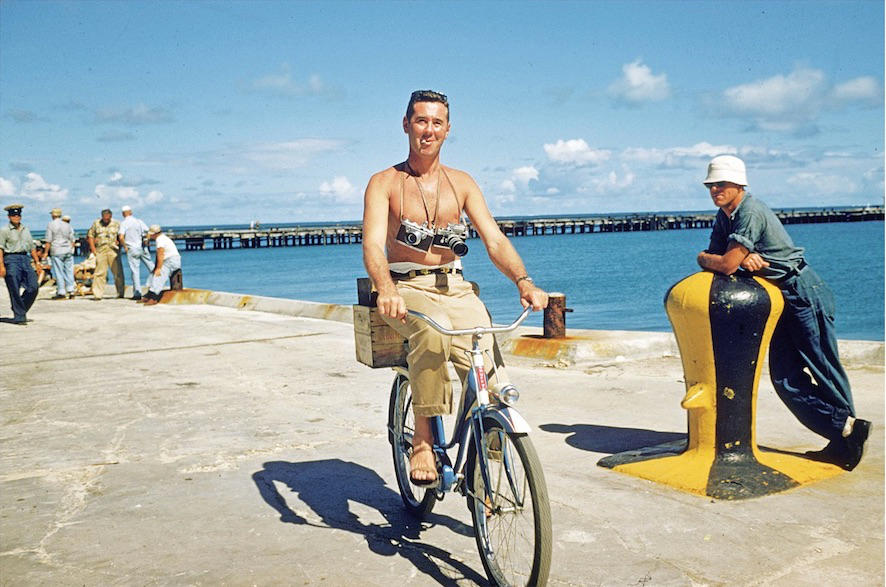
206,445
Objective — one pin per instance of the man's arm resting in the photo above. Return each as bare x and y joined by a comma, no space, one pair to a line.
727,263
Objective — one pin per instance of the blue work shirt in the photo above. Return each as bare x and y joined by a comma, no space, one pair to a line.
755,227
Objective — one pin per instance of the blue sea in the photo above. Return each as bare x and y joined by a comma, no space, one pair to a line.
612,281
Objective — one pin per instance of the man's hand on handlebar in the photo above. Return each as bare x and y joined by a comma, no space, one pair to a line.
530,295
392,305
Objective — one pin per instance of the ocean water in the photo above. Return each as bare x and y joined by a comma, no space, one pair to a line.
612,281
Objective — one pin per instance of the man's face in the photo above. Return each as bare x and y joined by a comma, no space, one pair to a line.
428,128
725,194
15,219
106,217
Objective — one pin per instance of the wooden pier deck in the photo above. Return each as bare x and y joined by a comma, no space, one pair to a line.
210,239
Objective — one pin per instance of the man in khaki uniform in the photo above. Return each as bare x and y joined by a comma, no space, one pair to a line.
104,243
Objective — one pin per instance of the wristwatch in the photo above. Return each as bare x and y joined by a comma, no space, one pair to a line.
524,278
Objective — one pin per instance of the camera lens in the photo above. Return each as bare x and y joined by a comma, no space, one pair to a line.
412,238
458,247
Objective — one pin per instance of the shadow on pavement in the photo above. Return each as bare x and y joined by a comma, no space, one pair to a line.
610,439
326,487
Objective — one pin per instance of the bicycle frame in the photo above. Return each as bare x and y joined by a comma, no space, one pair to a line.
470,425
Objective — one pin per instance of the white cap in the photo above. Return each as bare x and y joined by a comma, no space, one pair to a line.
726,168
154,229
126,209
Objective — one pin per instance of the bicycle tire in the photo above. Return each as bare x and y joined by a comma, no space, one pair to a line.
419,501
514,542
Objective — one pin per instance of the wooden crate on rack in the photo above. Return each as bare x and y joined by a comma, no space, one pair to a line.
377,344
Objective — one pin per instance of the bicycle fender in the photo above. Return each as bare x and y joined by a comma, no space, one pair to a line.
509,418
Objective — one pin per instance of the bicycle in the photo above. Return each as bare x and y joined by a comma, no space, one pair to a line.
496,468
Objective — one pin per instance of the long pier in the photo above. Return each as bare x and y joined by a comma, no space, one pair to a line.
338,234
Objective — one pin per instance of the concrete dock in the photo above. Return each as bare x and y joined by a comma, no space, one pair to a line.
218,444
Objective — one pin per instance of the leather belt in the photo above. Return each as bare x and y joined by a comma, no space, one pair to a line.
434,271
795,271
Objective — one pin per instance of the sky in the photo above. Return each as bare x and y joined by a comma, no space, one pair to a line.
210,112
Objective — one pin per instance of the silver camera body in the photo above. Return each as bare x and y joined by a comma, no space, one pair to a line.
415,235
453,237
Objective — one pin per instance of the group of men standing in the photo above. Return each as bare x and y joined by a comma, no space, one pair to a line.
106,237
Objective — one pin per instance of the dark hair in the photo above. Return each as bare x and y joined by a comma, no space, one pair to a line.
426,96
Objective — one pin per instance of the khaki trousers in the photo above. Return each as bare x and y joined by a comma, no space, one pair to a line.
104,259
451,302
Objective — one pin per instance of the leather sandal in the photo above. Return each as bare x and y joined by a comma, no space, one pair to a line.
422,482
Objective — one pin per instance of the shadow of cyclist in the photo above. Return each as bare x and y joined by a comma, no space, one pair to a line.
326,487
611,439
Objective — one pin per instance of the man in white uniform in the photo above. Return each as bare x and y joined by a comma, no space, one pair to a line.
168,260
132,236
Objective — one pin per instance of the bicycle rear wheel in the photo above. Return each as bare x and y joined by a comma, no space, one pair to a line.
513,521
419,501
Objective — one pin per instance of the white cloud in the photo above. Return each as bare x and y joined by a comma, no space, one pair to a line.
137,115
283,155
34,187
575,151
526,174
508,186
339,188
684,157
779,95
153,197
283,84
117,190
638,85
860,89
822,183
7,188
794,102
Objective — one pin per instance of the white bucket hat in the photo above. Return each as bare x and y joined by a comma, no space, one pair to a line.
726,168
154,229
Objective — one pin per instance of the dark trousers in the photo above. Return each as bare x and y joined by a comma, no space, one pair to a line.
805,338
19,274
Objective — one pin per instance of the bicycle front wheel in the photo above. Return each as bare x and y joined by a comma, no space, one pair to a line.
419,501
512,515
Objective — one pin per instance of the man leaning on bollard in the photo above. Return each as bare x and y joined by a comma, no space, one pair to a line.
748,235
104,245
132,237
59,241
16,245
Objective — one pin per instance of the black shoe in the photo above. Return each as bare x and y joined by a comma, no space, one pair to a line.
21,322
861,429
58,297
845,452
136,298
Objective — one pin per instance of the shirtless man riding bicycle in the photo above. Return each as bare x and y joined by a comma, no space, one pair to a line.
413,238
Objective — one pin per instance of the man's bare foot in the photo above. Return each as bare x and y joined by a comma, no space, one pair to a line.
422,464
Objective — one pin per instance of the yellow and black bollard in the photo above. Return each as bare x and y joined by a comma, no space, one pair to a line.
723,325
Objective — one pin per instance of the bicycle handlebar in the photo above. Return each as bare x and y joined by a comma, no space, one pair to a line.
478,330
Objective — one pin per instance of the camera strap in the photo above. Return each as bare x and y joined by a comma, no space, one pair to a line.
432,222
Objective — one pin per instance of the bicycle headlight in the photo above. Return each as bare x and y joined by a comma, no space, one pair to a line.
508,394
